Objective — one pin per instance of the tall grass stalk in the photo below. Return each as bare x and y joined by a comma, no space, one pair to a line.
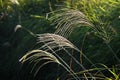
114,54
55,39
27,30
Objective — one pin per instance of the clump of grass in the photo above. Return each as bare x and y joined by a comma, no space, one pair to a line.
53,43
66,21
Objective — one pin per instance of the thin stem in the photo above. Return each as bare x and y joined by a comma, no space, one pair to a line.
81,59
50,7
113,52
30,32
71,59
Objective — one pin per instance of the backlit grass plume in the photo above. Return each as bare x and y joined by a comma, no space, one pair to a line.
67,20
54,41
37,56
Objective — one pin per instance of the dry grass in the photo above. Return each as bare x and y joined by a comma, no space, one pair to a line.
37,56
67,20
